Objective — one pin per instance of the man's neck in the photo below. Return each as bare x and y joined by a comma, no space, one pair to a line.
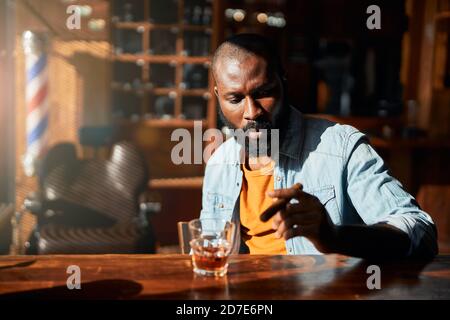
256,163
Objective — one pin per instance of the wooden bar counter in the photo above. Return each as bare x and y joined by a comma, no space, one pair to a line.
249,277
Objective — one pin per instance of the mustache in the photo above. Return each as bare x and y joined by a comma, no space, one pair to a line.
257,125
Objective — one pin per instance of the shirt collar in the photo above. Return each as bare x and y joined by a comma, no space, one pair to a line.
292,143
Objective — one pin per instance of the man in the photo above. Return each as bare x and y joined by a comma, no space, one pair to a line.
338,195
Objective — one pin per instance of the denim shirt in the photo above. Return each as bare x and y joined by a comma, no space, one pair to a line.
336,164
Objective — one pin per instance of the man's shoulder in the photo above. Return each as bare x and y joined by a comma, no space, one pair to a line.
316,125
326,136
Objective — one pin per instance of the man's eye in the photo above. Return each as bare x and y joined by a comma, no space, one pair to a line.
234,101
264,93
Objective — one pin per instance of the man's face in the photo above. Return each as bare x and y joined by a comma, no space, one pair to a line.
250,95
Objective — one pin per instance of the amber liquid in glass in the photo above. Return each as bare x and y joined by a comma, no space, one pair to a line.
210,259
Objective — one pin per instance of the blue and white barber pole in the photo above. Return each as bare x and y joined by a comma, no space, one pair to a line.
36,98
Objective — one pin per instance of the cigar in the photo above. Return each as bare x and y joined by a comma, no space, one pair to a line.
277,206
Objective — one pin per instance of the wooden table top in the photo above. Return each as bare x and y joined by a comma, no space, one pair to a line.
249,277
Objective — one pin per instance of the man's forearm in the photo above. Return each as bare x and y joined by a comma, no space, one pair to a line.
379,241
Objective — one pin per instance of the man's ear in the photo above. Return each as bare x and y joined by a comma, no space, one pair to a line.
216,92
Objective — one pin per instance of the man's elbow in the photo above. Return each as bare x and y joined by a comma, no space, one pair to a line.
426,246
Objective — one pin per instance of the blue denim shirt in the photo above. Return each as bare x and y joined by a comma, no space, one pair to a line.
336,164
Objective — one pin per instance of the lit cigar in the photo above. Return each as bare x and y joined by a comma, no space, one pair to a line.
277,205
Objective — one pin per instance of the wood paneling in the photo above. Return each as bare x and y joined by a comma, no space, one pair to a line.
430,61
181,204
435,200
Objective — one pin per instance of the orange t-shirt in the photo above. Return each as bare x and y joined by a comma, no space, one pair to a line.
258,236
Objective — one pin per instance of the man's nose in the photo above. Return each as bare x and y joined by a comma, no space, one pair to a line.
252,110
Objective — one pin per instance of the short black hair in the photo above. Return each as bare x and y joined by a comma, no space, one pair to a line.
250,43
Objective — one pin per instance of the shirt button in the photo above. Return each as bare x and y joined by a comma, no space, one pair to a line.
278,178
220,205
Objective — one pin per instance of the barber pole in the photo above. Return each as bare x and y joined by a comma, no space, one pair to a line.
36,97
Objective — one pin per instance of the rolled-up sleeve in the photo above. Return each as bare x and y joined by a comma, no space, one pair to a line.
380,198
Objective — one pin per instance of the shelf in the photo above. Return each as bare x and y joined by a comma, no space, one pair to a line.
162,123
165,91
442,15
136,92
153,26
176,183
196,93
161,58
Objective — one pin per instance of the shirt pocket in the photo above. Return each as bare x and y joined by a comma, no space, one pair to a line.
327,197
218,203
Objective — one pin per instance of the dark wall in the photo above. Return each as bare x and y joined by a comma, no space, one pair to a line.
328,42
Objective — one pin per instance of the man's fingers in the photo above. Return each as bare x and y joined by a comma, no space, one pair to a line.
280,202
304,206
281,230
303,231
284,223
278,205
296,213
288,193
276,221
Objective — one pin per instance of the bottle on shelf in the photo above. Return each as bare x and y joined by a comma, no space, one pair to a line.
128,12
194,108
187,14
127,41
163,42
164,107
197,43
207,15
136,84
197,15
195,76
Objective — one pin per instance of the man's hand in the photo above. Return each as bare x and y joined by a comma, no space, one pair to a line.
307,218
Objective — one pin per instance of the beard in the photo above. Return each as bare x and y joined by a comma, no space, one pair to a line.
256,136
